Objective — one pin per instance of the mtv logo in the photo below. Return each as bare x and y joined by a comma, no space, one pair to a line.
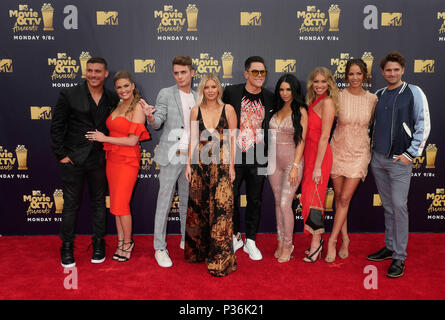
440,191
426,66
393,19
23,7
6,65
107,18
288,65
441,15
377,202
168,8
250,18
36,193
310,8
204,56
144,66
41,113
344,56
61,55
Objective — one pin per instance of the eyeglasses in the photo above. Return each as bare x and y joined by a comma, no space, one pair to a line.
255,73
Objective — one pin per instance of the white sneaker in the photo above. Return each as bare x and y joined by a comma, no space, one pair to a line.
182,244
251,249
237,242
163,259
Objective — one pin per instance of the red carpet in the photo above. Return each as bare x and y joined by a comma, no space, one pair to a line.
30,269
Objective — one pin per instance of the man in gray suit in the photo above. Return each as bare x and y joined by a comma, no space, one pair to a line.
172,110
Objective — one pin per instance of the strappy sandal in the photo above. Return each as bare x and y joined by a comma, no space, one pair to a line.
318,251
131,245
119,247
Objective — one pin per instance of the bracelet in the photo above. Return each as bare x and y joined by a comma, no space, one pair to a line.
297,165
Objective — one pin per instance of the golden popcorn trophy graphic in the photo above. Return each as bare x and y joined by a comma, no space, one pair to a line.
84,57
334,17
431,152
227,63
192,17
58,200
47,14
368,59
22,154
329,200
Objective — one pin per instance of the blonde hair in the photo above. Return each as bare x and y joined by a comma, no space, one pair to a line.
136,94
332,91
201,98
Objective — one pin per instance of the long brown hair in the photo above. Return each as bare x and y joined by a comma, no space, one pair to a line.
136,94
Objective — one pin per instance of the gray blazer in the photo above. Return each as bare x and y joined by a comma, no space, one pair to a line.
168,112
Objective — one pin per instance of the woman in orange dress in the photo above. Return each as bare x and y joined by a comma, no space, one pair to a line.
350,149
126,126
322,99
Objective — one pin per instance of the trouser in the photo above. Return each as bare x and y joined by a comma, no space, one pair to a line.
168,176
254,190
73,180
393,181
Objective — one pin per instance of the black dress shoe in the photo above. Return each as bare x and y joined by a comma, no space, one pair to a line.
66,254
382,254
98,250
397,269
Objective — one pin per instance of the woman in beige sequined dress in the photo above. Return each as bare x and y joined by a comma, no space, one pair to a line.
350,149
285,165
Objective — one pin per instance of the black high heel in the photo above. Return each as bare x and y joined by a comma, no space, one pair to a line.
310,256
132,244
115,255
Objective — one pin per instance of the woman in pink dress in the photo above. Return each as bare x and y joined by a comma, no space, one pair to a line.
286,159
350,148
322,98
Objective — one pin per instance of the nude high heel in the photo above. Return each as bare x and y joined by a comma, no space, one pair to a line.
330,259
277,253
286,254
344,252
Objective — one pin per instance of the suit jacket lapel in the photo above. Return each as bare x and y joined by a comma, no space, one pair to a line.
178,102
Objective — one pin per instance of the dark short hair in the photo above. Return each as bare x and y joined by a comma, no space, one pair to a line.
183,61
393,56
361,64
252,59
98,60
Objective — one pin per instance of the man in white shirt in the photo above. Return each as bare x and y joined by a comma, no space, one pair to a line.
171,155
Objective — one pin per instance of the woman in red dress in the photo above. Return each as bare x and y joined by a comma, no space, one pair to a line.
322,99
126,126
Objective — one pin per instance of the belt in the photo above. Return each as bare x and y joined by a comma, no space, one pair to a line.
178,152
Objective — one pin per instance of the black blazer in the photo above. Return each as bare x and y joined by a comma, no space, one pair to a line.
233,95
72,118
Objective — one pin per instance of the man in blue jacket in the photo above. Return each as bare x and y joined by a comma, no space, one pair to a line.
401,128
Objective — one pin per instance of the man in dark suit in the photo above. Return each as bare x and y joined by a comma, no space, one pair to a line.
78,110
253,105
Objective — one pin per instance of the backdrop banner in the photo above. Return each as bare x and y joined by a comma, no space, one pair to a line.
45,46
